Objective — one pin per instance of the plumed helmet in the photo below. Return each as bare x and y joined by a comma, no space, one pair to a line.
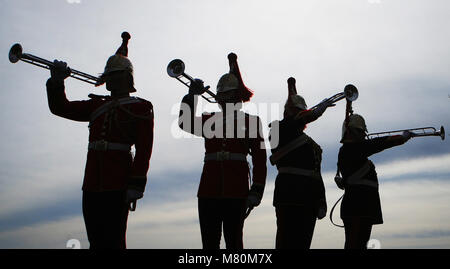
227,82
294,100
120,61
355,121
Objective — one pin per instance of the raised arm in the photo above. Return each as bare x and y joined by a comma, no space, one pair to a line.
57,100
379,144
187,120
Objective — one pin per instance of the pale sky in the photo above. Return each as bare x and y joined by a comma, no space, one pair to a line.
395,52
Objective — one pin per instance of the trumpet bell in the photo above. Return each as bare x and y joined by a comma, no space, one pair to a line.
15,53
175,68
351,92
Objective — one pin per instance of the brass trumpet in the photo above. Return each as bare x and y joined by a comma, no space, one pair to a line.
175,69
16,54
416,132
350,93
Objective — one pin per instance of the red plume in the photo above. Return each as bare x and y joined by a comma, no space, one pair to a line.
245,92
292,90
123,49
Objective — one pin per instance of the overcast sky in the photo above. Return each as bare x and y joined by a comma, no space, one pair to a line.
395,52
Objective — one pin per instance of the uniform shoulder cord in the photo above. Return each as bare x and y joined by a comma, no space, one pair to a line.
336,178
146,117
139,117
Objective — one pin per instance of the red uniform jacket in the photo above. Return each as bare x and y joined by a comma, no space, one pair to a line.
130,124
230,178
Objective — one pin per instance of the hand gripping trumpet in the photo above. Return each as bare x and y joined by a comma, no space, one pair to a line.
350,93
416,132
175,69
16,54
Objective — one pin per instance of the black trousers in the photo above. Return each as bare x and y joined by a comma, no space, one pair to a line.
213,213
295,227
357,232
105,216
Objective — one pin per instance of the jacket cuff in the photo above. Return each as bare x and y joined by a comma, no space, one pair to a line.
137,183
53,84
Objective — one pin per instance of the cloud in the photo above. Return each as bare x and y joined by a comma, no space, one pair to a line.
48,235
430,165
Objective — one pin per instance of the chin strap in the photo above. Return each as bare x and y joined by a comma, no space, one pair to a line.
331,213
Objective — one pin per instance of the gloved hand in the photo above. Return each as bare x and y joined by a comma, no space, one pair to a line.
339,182
133,195
322,211
197,87
252,201
59,71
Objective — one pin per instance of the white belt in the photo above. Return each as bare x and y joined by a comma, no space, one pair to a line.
298,171
225,155
102,145
363,181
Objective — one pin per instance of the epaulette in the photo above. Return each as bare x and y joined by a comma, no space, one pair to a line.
145,101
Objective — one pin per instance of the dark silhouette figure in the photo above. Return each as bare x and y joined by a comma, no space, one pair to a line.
113,179
361,207
299,196
224,195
